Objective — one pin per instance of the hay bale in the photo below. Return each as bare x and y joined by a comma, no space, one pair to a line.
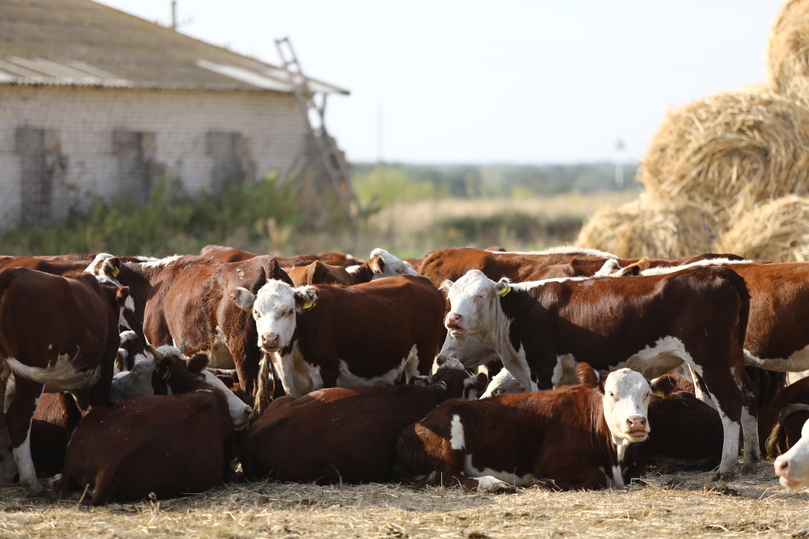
650,227
787,53
730,151
775,231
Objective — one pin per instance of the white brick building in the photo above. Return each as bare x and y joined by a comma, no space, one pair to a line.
96,100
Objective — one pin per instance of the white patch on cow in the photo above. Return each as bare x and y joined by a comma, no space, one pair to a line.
706,262
134,383
60,376
490,477
161,262
653,361
608,268
392,265
730,444
563,249
129,303
503,383
408,367
297,375
240,413
564,373
353,269
797,361
792,468
457,438
25,463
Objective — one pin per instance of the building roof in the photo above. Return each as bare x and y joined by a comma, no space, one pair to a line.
81,43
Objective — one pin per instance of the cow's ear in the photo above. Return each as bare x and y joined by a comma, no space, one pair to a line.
243,298
446,285
278,273
164,367
589,377
196,363
663,386
123,298
503,287
110,268
316,273
377,265
478,382
306,297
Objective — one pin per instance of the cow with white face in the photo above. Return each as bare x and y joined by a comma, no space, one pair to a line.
651,324
792,468
387,265
369,334
579,436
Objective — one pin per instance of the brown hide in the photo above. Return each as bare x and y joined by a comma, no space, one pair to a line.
453,263
341,435
558,434
371,326
169,445
230,254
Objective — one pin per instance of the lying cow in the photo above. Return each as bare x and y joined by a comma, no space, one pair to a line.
580,436
168,445
651,324
364,335
792,468
345,435
56,334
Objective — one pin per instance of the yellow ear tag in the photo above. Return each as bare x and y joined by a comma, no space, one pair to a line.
504,291
660,394
115,271
167,374
308,305
419,383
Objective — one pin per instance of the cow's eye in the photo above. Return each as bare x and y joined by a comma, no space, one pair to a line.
291,312
256,314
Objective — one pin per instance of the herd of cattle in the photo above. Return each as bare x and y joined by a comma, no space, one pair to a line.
325,368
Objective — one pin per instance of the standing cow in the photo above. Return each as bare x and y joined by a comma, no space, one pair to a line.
650,324
56,334
363,335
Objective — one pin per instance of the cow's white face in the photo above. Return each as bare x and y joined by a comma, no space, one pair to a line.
129,384
240,413
792,468
274,309
389,265
626,403
473,304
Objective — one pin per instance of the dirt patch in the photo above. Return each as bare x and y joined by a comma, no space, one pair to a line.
661,505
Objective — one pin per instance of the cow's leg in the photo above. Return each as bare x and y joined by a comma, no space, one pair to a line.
18,419
749,420
8,467
727,394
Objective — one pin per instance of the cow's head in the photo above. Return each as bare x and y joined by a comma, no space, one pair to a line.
385,264
473,303
469,351
459,381
626,395
274,309
792,468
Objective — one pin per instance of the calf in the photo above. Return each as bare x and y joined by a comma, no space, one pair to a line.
365,335
56,334
651,324
182,441
345,435
579,436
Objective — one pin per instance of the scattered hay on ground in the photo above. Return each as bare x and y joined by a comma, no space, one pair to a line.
787,54
662,505
729,152
776,231
650,227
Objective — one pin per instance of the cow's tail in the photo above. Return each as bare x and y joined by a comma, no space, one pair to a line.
744,297
771,445
263,385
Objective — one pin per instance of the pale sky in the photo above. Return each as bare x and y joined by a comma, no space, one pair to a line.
505,81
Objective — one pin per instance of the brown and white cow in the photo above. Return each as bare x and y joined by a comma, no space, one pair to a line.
781,420
346,434
348,336
184,302
650,324
168,445
56,334
579,436
454,262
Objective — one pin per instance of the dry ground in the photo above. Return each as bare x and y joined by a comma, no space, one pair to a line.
673,505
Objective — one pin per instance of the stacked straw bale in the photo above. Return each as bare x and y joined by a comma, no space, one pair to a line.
723,162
